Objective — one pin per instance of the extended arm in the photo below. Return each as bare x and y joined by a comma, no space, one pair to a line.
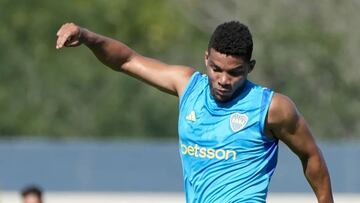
285,123
116,55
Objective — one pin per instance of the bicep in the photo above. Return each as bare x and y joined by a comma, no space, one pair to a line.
299,139
168,78
291,128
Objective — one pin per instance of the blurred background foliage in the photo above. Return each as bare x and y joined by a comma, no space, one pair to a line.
304,49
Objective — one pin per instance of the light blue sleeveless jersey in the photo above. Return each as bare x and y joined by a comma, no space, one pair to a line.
225,155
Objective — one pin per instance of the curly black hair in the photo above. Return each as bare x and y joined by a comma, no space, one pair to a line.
32,190
232,38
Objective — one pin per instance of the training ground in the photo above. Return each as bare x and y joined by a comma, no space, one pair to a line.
89,197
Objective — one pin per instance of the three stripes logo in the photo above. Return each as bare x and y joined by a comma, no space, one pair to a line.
191,116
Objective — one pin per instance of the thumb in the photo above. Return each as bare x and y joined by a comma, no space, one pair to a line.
72,43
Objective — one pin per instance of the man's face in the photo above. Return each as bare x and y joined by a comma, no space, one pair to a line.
32,198
227,74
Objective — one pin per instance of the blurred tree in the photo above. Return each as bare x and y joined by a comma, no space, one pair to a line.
307,50
45,92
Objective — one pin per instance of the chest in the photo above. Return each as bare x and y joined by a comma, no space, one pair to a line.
237,126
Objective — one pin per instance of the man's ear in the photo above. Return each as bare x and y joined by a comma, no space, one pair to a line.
206,57
251,65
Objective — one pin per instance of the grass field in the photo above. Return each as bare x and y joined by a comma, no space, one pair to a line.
95,197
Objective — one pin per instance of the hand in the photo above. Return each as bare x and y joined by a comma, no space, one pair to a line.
69,35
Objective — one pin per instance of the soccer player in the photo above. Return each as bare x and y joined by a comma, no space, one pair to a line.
229,127
32,194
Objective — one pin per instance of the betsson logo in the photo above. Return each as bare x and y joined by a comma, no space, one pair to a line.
207,153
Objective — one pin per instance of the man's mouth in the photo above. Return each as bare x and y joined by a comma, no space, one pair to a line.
222,92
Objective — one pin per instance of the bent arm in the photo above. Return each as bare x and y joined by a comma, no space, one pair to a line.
119,57
285,122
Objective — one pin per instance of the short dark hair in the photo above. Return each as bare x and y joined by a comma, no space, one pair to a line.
32,190
232,38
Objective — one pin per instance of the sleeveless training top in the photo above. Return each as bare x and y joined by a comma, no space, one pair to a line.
225,154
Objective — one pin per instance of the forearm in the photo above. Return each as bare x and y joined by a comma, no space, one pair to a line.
316,173
110,52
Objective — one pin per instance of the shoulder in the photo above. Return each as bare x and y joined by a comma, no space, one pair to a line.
289,126
282,114
185,71
183,75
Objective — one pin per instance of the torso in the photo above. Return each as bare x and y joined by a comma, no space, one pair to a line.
220,143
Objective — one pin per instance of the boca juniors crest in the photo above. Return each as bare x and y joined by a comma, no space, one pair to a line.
238,121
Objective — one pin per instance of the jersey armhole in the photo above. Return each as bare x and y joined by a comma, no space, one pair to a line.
264,109
189,86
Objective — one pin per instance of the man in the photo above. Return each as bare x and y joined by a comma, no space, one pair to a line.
32,194
229,127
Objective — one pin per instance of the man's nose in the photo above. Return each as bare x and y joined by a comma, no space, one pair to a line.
224,80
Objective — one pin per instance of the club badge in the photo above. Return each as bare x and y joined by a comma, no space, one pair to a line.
238,121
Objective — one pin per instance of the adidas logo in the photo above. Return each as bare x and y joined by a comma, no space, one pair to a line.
191,116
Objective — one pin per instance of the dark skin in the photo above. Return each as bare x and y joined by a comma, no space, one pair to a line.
227,75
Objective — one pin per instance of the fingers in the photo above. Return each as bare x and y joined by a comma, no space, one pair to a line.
61,41
68,34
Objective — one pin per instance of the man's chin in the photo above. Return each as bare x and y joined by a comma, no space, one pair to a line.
222,99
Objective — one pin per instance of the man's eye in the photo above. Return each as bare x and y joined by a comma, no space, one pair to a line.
215,69
236,73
